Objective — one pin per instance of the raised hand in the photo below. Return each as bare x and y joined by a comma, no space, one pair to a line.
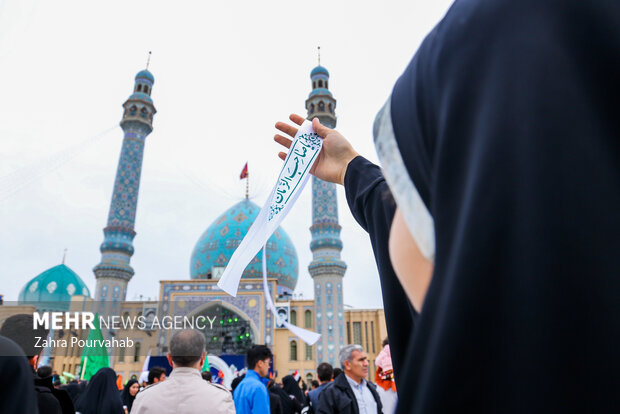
331,164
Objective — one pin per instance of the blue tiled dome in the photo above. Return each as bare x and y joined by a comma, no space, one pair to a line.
217,244
145,74
319,70
53,289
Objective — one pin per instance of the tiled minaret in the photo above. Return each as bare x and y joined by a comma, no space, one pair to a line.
327,269
114,271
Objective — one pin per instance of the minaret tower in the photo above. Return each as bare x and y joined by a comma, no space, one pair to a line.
327,269
114,271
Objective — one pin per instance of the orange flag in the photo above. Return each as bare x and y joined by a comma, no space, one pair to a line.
244,172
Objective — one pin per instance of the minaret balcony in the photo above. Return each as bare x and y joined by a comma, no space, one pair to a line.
103,270
141,119
326,242
327,267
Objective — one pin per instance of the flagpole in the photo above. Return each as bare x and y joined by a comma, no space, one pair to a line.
84,368
246,174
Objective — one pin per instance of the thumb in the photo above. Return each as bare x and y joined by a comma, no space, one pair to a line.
319,128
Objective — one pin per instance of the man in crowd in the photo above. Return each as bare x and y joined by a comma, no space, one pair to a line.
19,328
251,395
184,391
156,374
350,393
325,373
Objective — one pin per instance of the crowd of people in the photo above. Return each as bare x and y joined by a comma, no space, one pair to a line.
36,389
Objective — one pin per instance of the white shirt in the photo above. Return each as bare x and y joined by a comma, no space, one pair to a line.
365,401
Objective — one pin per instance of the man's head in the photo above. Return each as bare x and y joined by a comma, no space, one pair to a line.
187,349
354,362
156,374
325,372
236,382
259,358
44,371
19,328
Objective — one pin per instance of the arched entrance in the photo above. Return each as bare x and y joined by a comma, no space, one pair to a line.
232,333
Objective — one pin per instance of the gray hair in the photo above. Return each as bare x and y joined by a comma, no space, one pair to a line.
186,347
347,351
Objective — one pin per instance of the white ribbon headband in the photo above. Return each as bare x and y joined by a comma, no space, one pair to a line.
292,179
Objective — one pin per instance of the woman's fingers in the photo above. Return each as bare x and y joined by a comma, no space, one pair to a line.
289,130
286,128
297,119
282,140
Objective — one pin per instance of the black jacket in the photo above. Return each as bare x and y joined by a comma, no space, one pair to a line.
46,401
338,398
50,399
275,405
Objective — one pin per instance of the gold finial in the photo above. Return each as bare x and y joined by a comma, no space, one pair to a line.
319,49
148,60
64,256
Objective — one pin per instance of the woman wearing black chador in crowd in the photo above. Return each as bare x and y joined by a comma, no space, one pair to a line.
495,218
101,395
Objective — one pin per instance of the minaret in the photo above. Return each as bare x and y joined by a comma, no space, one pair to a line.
327,269
114,271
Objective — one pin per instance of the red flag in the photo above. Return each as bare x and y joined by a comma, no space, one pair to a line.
244,172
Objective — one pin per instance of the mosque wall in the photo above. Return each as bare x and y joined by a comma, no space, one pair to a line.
190,297
291,353
7,311
366,327
129,362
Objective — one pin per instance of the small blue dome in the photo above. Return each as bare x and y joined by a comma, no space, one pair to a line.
217,244
319,70
53,289
145,74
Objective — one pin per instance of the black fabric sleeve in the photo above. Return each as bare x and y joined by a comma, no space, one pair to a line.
373,206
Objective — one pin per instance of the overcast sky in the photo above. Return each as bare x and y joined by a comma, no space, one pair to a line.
225,72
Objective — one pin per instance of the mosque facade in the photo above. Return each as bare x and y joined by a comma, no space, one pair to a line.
239,321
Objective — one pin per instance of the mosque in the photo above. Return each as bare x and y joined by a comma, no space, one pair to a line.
242,320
